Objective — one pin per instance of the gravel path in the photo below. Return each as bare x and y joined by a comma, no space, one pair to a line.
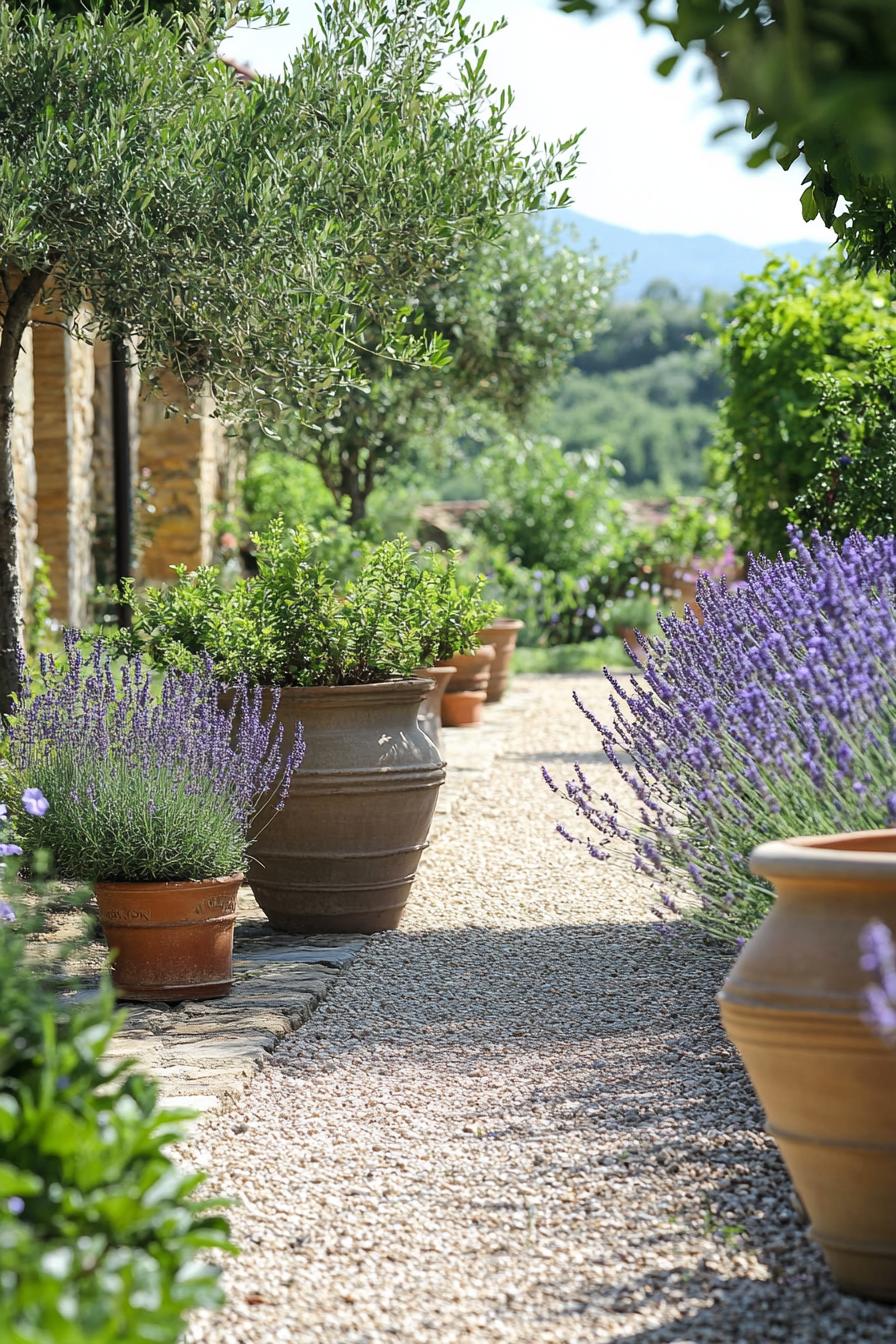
517,1118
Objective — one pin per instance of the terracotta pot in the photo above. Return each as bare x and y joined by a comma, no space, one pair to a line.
430,715
502,635
463,709
341,855
473,669
173,940
793,1005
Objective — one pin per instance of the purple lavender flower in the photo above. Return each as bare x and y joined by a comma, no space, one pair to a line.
7,914
771,718
159,786
16,1205
878,958
7,851
34,803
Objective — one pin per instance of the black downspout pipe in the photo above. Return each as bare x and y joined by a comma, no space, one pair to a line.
121,472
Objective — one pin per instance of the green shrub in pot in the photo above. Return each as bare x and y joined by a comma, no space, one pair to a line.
447,611
341,855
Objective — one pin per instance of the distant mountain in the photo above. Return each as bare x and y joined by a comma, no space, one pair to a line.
692,264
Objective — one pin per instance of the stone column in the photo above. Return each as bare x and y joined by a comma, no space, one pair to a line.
23,469
180,457
63,449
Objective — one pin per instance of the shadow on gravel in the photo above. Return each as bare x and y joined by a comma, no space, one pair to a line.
742,1310
629,1062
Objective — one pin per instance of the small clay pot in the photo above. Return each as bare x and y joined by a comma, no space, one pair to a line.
429,716
172,940
794,1005
502,635
462,709
473,669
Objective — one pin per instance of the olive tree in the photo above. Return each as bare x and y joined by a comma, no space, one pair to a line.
819,80
245,236
510,319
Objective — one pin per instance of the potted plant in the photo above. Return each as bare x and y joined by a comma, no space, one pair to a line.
447,613
342,853
795,1005
502,633
152,800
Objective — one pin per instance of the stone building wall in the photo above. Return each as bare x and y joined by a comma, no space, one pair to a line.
24,472
183,457
63,457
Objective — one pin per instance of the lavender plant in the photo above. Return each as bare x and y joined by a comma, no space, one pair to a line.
145,787
776,717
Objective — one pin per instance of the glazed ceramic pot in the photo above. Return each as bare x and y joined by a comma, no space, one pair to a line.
502,635
430,715
473,669
172,940
462,709
341,855
794,1007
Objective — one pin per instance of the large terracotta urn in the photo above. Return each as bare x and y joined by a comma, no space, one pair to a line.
502,635
341,856
794,1005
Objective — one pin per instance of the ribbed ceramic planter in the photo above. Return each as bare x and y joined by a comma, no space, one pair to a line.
473,669
794,1007
341,856
430,715
502,635
172,940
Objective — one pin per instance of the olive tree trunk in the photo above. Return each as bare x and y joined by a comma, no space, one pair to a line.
15,321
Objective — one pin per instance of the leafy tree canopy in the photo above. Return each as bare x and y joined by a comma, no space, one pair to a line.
243,235
818,79
809,352
510,320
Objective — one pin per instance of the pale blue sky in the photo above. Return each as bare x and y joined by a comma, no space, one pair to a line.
650,162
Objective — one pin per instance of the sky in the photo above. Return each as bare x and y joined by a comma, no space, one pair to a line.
649,159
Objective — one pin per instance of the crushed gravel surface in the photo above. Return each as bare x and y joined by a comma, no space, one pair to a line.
517,1118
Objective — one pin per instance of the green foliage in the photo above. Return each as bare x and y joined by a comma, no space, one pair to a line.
566,658
277,484
448,612
290,625
853,480
547,508
817,79
801,344
646,391
99,1231
510,318
245,233
635,609
40,601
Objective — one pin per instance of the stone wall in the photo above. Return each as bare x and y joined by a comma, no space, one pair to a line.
63,453
23,467
183,458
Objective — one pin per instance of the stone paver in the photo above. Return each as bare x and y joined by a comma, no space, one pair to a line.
516,1119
